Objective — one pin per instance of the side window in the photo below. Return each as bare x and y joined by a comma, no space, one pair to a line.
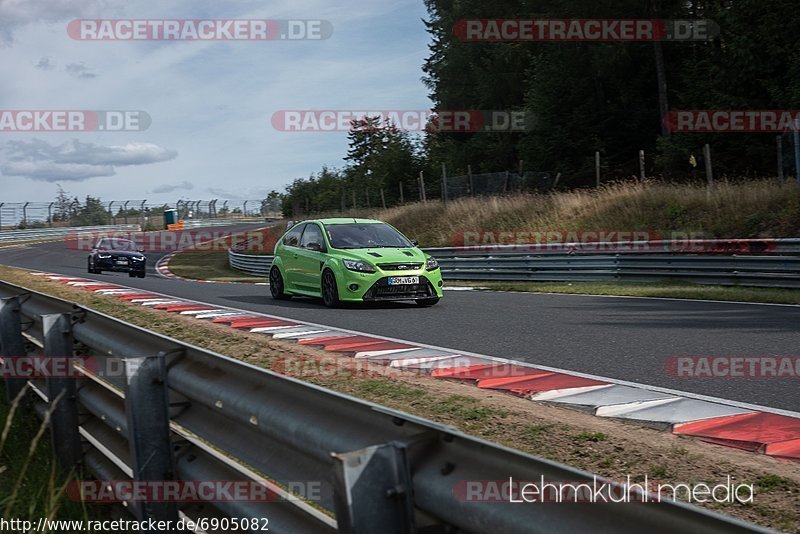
312,234
292,237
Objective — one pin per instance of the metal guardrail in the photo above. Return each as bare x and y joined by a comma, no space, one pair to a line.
160,409
202,223
756,263
7,236
250,263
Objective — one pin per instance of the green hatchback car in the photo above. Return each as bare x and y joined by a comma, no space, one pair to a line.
352,260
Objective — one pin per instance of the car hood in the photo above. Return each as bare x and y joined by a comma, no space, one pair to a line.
383,255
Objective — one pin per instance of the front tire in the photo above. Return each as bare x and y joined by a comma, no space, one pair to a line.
330,291
428,302
90,269
276,287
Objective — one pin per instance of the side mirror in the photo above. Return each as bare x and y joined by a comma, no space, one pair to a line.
415,242
314,246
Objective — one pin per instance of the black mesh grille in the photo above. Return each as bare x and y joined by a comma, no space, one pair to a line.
381,290
400,266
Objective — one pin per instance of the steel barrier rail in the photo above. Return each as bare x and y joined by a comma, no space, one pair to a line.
156,409
51,233
650,264
201,223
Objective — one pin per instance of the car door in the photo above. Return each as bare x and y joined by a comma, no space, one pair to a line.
291,247
311,258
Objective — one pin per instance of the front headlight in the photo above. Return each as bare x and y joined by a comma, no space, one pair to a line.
104,256
358,266
431,264
138,258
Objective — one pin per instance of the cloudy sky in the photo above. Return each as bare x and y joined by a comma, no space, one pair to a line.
210,102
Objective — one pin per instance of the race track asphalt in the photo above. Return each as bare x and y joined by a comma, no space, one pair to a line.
622,338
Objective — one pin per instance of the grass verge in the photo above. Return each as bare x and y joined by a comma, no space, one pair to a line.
759,208
208,265
675,290
603,446
31,484
209,261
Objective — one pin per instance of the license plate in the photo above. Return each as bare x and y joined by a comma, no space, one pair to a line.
121,262
403,280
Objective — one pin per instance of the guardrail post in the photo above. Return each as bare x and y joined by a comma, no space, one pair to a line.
374,490
64,422
147,412
12,345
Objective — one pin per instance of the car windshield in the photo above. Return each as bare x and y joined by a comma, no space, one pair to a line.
365,235
118,244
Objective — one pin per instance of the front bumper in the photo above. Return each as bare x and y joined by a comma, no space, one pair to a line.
371,287
111,265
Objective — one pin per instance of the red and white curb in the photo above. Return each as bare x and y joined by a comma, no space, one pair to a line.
162,269
758,429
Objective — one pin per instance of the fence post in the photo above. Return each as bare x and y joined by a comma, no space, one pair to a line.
383,199
422,195
505,184
354,198
471,185
709,167
444,183
797,150
642,171
25,213
402,197
50,214
597,167
373,490
12,345
779,142
147,413
58,348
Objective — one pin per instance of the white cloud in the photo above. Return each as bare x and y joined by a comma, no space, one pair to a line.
45,63
212,101
49,171
15,14
79,70
169,188
76,161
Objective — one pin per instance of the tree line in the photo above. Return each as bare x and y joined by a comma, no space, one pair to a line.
583,98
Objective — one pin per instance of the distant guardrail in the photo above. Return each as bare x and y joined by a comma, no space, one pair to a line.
745,262
34,234
139,406
202,223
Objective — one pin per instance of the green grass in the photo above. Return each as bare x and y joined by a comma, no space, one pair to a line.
593,437
208,265
31,484
676,290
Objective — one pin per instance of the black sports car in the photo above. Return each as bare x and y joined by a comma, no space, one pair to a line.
117,255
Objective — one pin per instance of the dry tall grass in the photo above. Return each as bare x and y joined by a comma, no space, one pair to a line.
728,210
